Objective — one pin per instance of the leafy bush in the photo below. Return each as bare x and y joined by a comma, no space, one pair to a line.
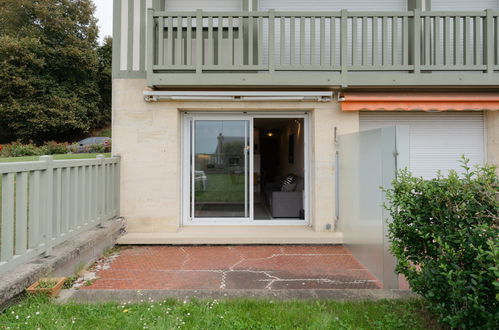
444,234
17,149
96,148
55,148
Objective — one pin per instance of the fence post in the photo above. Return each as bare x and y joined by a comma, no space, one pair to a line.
101,187
47,216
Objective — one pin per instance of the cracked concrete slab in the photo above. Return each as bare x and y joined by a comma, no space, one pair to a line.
234,268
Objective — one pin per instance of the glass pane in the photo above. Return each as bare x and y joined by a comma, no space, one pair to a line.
220,168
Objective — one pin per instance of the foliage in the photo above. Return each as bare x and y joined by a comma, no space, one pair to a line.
54,148
17,149
51,73
39,312
444,234
96,148
46,283
105,54
56,157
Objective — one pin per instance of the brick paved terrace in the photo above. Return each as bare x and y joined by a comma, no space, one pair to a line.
232,267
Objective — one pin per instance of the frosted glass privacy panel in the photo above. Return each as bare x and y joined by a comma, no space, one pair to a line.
367,161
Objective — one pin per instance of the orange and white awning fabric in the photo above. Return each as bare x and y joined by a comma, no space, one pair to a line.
399,101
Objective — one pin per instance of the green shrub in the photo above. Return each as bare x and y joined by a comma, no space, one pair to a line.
55,148
16,149
96,149
444,234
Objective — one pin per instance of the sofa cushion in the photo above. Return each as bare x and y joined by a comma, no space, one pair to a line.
288,187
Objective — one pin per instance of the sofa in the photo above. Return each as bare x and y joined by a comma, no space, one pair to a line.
285,204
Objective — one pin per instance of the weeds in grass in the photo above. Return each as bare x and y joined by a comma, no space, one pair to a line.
39,312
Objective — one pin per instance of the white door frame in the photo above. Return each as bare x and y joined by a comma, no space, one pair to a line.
187,134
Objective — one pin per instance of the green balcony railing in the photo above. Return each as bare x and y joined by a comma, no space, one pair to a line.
321,48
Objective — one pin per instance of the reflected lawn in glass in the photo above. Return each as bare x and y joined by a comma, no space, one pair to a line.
222,188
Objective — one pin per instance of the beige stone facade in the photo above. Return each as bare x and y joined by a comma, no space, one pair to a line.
148,138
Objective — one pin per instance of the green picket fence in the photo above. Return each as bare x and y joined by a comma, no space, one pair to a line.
46,202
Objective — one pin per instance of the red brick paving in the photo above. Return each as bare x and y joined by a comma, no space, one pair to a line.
235,267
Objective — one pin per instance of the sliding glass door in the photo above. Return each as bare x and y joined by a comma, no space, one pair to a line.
220,169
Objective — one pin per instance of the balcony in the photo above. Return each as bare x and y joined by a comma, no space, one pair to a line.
322,49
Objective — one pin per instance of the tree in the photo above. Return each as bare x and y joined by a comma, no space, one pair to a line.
105,53
49,69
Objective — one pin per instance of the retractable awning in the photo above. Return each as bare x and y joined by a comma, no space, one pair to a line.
419,101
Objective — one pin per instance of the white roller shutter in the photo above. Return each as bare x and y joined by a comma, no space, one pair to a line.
437,140
333,5
442,5
206,5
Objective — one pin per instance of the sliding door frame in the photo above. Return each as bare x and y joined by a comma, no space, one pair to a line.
187,135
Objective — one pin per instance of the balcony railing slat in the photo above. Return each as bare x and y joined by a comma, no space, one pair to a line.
302,40
375,43
271,40
489,41
457,41
496,29
417,41
250,41
220,53
260,40
178,41
322,41
344,41
188,42
199,41
161,38
477,31
313,49
292,45
405,49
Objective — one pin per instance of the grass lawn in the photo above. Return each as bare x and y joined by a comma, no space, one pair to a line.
232,314
56,157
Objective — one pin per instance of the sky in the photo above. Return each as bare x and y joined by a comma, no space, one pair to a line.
104,14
